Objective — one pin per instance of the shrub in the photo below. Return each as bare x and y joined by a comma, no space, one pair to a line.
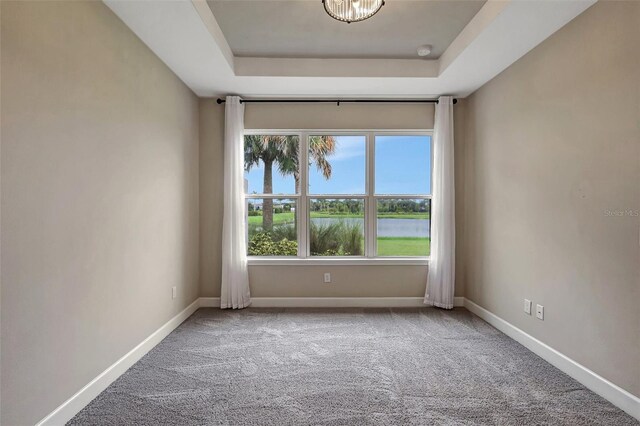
337,238
262,244
324,239
281,232
351,238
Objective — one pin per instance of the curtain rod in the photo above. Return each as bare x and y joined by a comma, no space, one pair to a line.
338,101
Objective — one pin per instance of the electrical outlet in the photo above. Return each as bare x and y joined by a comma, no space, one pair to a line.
174,292
540,312
527,306
327,277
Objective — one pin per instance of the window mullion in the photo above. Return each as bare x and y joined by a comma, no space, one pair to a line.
303,215
370,232
338,197
404,196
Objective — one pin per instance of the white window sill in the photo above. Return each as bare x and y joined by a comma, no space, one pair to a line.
333,261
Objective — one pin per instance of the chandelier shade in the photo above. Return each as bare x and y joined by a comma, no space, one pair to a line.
352,10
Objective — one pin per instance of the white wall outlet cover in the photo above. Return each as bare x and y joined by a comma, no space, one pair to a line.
327,277
540,312
174,292
527,306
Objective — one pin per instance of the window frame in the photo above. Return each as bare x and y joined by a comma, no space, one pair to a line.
303,200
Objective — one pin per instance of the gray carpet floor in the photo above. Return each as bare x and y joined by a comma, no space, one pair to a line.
344,367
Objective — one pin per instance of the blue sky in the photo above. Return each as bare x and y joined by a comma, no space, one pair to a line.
402,167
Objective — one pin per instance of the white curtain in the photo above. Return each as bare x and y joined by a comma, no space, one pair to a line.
442,265
235,276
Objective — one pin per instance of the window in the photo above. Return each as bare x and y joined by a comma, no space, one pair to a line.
402,188
271,164
271,227
351,195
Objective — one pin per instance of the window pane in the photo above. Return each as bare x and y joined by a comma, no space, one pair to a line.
273,233
337,227
271,164
403,165
337,164
404,227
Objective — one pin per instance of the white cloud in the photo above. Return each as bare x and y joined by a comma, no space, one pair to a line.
348,149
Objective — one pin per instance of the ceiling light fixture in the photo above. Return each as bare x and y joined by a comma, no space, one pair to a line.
424,50
352,10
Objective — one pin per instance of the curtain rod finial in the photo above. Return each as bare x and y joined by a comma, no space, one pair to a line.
219,101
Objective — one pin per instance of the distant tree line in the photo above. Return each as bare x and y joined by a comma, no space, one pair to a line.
337,206
403,206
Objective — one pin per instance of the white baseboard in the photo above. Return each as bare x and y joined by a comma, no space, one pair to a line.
77,402
609,391
80,399
209,302
614,394
330,302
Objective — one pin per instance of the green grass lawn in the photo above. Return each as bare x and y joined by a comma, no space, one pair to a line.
278,219
403,246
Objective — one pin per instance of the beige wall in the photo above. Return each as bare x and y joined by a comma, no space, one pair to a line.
346,116
553,143
305,281
211,194
99,199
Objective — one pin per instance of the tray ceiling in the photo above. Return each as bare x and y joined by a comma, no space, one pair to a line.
190,39
302,29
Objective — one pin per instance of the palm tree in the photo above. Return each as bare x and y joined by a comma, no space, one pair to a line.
284,152
268,149
320,147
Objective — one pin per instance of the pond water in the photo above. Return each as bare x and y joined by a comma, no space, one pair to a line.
388,227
